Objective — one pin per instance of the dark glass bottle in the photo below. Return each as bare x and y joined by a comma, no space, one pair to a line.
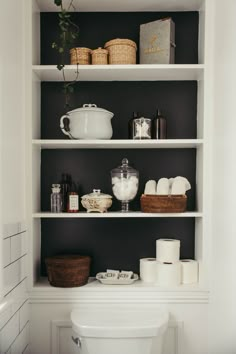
159,126
65,188
131,124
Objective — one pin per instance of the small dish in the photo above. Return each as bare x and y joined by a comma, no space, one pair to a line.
100,277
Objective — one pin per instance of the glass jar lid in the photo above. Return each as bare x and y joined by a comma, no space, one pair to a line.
96,195
124,168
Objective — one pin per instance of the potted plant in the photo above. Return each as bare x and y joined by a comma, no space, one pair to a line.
69,33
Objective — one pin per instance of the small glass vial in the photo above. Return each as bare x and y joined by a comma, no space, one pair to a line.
141,128
73,201
56,199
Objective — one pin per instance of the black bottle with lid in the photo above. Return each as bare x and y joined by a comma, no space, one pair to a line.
159,126
65,189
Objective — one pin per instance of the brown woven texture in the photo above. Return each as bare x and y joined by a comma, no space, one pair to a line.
68,271
99,56
163,203
80,55
121,51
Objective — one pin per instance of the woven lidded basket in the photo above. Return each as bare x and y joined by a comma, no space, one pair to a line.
68,271
163,203
121,51
99,56
80,55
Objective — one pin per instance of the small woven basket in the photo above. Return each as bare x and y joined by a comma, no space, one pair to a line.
68,271
121,51
99,56
163,203
80,55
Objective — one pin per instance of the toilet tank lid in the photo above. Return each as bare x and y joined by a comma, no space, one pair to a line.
119,323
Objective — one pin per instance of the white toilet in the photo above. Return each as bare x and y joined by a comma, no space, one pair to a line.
119,331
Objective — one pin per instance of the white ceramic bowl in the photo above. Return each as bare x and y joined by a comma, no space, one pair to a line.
96,201
88,122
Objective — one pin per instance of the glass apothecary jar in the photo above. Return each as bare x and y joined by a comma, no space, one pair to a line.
125,181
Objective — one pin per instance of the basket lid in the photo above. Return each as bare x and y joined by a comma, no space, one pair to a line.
121,41
83,49
99,50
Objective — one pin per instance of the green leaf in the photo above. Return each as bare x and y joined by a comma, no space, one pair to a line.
58,2
61,50
70,89
60,66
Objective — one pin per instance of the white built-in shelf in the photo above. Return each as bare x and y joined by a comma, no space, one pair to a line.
125,5
138,291
139,72
117,214
119,144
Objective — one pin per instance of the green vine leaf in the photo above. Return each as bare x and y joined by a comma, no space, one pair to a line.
68,34
58,2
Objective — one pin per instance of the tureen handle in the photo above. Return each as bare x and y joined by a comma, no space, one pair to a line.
89,105
65,126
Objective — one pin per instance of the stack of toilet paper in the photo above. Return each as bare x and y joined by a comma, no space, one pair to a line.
172,186
167,269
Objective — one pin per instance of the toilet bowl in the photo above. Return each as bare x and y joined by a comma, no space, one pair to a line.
120,331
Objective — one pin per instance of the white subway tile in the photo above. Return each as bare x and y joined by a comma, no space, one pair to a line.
6,252
14,274
21,341
9,333
13,228
5,312
18,246
27,350
24,315
18,296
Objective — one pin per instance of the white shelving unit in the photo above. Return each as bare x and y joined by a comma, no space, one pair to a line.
117,214
118,144
122,72
38,73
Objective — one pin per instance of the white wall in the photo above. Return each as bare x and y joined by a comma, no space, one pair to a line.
223,287
14,316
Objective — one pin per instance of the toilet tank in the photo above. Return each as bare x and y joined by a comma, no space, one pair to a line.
119,331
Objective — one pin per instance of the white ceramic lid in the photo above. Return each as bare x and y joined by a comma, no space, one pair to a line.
120,323
96,195
91,107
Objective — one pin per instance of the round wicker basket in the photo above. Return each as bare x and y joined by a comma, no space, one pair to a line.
99,56
80,55
121,51
68,271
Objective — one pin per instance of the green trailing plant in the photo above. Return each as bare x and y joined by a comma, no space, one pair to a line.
69,33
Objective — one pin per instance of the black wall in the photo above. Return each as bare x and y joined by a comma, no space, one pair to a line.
119,243
99,27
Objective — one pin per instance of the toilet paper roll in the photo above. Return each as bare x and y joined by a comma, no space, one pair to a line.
167,250
189,271
150,187
168,274
148,270
162,186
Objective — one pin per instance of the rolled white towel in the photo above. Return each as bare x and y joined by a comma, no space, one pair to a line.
180,185
162,186
171,180
150,187
187,183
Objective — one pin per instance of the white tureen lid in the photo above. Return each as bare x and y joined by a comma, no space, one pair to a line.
90,107
96,195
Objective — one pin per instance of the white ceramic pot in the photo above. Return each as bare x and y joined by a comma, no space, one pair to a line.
88,122
96,201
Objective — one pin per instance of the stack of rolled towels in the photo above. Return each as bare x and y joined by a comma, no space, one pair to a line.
167,269
166,186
